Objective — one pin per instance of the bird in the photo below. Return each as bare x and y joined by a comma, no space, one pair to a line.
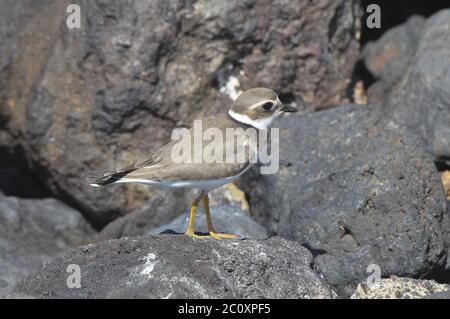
256,108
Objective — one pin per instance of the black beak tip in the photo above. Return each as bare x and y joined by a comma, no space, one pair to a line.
289,109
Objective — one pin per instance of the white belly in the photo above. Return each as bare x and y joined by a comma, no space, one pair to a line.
200,184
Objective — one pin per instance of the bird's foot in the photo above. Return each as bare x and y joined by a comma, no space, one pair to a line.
213,234
219,236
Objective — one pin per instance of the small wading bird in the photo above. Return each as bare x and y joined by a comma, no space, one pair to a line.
255,108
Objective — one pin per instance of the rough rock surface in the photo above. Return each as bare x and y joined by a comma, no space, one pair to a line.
399,288
32,231
110,93
172,266
226,219
421,100
356,191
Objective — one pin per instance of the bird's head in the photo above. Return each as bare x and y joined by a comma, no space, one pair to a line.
258,107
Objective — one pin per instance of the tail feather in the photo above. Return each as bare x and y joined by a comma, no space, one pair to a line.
103,178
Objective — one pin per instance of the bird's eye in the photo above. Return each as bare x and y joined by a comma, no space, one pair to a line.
267,106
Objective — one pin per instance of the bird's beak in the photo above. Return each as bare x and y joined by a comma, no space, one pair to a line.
288,108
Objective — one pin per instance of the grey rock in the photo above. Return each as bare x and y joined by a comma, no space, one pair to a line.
421,100
226,219
17,296
138,69
176,266
31,232
356,190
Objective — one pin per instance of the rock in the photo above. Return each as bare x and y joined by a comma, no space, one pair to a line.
229,194
32,231
356,190
421,100
438,295
389,57
106,95
176,266
17,296
399,288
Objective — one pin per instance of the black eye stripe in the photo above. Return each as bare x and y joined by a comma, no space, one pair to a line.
267,106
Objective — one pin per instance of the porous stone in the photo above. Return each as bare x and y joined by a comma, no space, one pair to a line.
176,266
399,288
356,189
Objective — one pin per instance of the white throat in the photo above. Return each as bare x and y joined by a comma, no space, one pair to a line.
259,124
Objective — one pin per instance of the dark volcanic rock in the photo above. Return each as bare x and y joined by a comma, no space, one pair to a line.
32,231
172,266
389,57
226,219
356,191
103,96
422,99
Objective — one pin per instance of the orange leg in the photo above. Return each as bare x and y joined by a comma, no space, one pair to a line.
212,232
